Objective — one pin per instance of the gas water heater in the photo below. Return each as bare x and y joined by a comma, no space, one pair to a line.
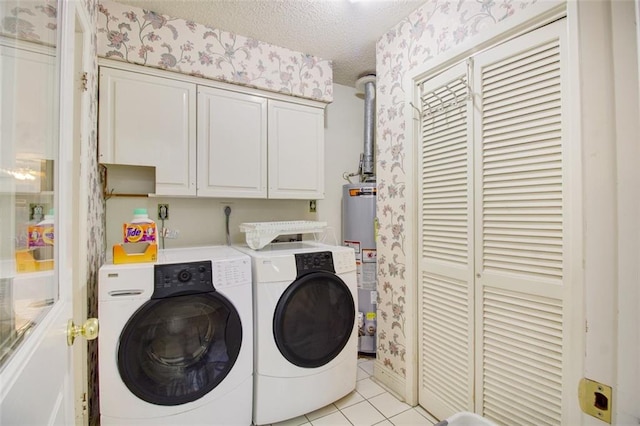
358,232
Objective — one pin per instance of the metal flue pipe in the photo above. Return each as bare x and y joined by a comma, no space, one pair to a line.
368,83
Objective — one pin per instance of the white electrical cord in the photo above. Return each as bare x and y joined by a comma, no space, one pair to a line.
162,232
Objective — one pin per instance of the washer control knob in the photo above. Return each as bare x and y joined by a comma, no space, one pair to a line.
184,276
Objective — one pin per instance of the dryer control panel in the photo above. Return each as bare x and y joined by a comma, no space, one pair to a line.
311,262
182,278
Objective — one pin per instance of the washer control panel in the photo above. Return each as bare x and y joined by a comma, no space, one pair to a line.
310,262
344,260
182,278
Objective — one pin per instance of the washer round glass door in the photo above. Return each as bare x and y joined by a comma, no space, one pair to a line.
314,319
177,349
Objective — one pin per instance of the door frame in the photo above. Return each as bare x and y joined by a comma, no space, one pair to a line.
82,63
606,344
610,107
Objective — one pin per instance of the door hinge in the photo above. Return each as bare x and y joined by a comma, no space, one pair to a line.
84,82
84,404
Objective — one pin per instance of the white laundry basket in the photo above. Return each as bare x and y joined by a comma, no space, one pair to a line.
465,419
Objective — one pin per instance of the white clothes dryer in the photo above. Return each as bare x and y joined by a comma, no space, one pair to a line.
306,348
176,339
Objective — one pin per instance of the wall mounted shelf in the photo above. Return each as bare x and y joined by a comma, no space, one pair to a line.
127,181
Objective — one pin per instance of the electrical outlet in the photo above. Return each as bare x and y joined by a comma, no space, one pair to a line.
225,204
170,234
163,211
312,206
36,212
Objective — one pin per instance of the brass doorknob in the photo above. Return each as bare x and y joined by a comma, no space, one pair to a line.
88,330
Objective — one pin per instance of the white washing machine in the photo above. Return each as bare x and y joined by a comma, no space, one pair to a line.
176,339
306,336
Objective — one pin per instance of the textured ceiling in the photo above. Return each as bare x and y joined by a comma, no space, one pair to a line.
341,30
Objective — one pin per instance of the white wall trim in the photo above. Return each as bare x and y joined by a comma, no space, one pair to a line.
391,380
17,43
597,136
627,127
83,62
575,313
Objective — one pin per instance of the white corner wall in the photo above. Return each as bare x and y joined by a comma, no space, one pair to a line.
344,141
627,115
610,124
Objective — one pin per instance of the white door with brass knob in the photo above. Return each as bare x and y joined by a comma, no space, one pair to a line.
42,197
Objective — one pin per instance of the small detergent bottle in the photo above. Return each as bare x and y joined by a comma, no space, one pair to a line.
42,234
141,229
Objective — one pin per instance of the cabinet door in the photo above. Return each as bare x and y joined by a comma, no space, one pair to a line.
149,121
296,151
232,144
28,86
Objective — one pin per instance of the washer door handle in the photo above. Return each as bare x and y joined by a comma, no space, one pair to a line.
117,293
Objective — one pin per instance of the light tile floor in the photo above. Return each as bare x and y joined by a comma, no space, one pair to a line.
370,404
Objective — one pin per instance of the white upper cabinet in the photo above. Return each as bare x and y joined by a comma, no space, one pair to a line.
26,127
150,121
296,151
232,144
209,139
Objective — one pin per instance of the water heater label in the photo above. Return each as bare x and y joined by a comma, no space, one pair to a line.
357,192
368,276
355,245
369,255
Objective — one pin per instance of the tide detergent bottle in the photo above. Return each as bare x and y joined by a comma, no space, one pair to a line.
42,234
141,229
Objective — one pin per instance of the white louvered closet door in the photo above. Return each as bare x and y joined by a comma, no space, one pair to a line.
520,210
446,292
493,239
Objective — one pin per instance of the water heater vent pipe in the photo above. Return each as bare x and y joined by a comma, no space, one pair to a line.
368,84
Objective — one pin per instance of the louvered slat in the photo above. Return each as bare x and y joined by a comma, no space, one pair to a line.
521,234
522,357
446,376
507,159
445,351
444,173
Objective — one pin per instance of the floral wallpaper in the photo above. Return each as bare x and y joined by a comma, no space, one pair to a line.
432,29
34,21
96,216
144,37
